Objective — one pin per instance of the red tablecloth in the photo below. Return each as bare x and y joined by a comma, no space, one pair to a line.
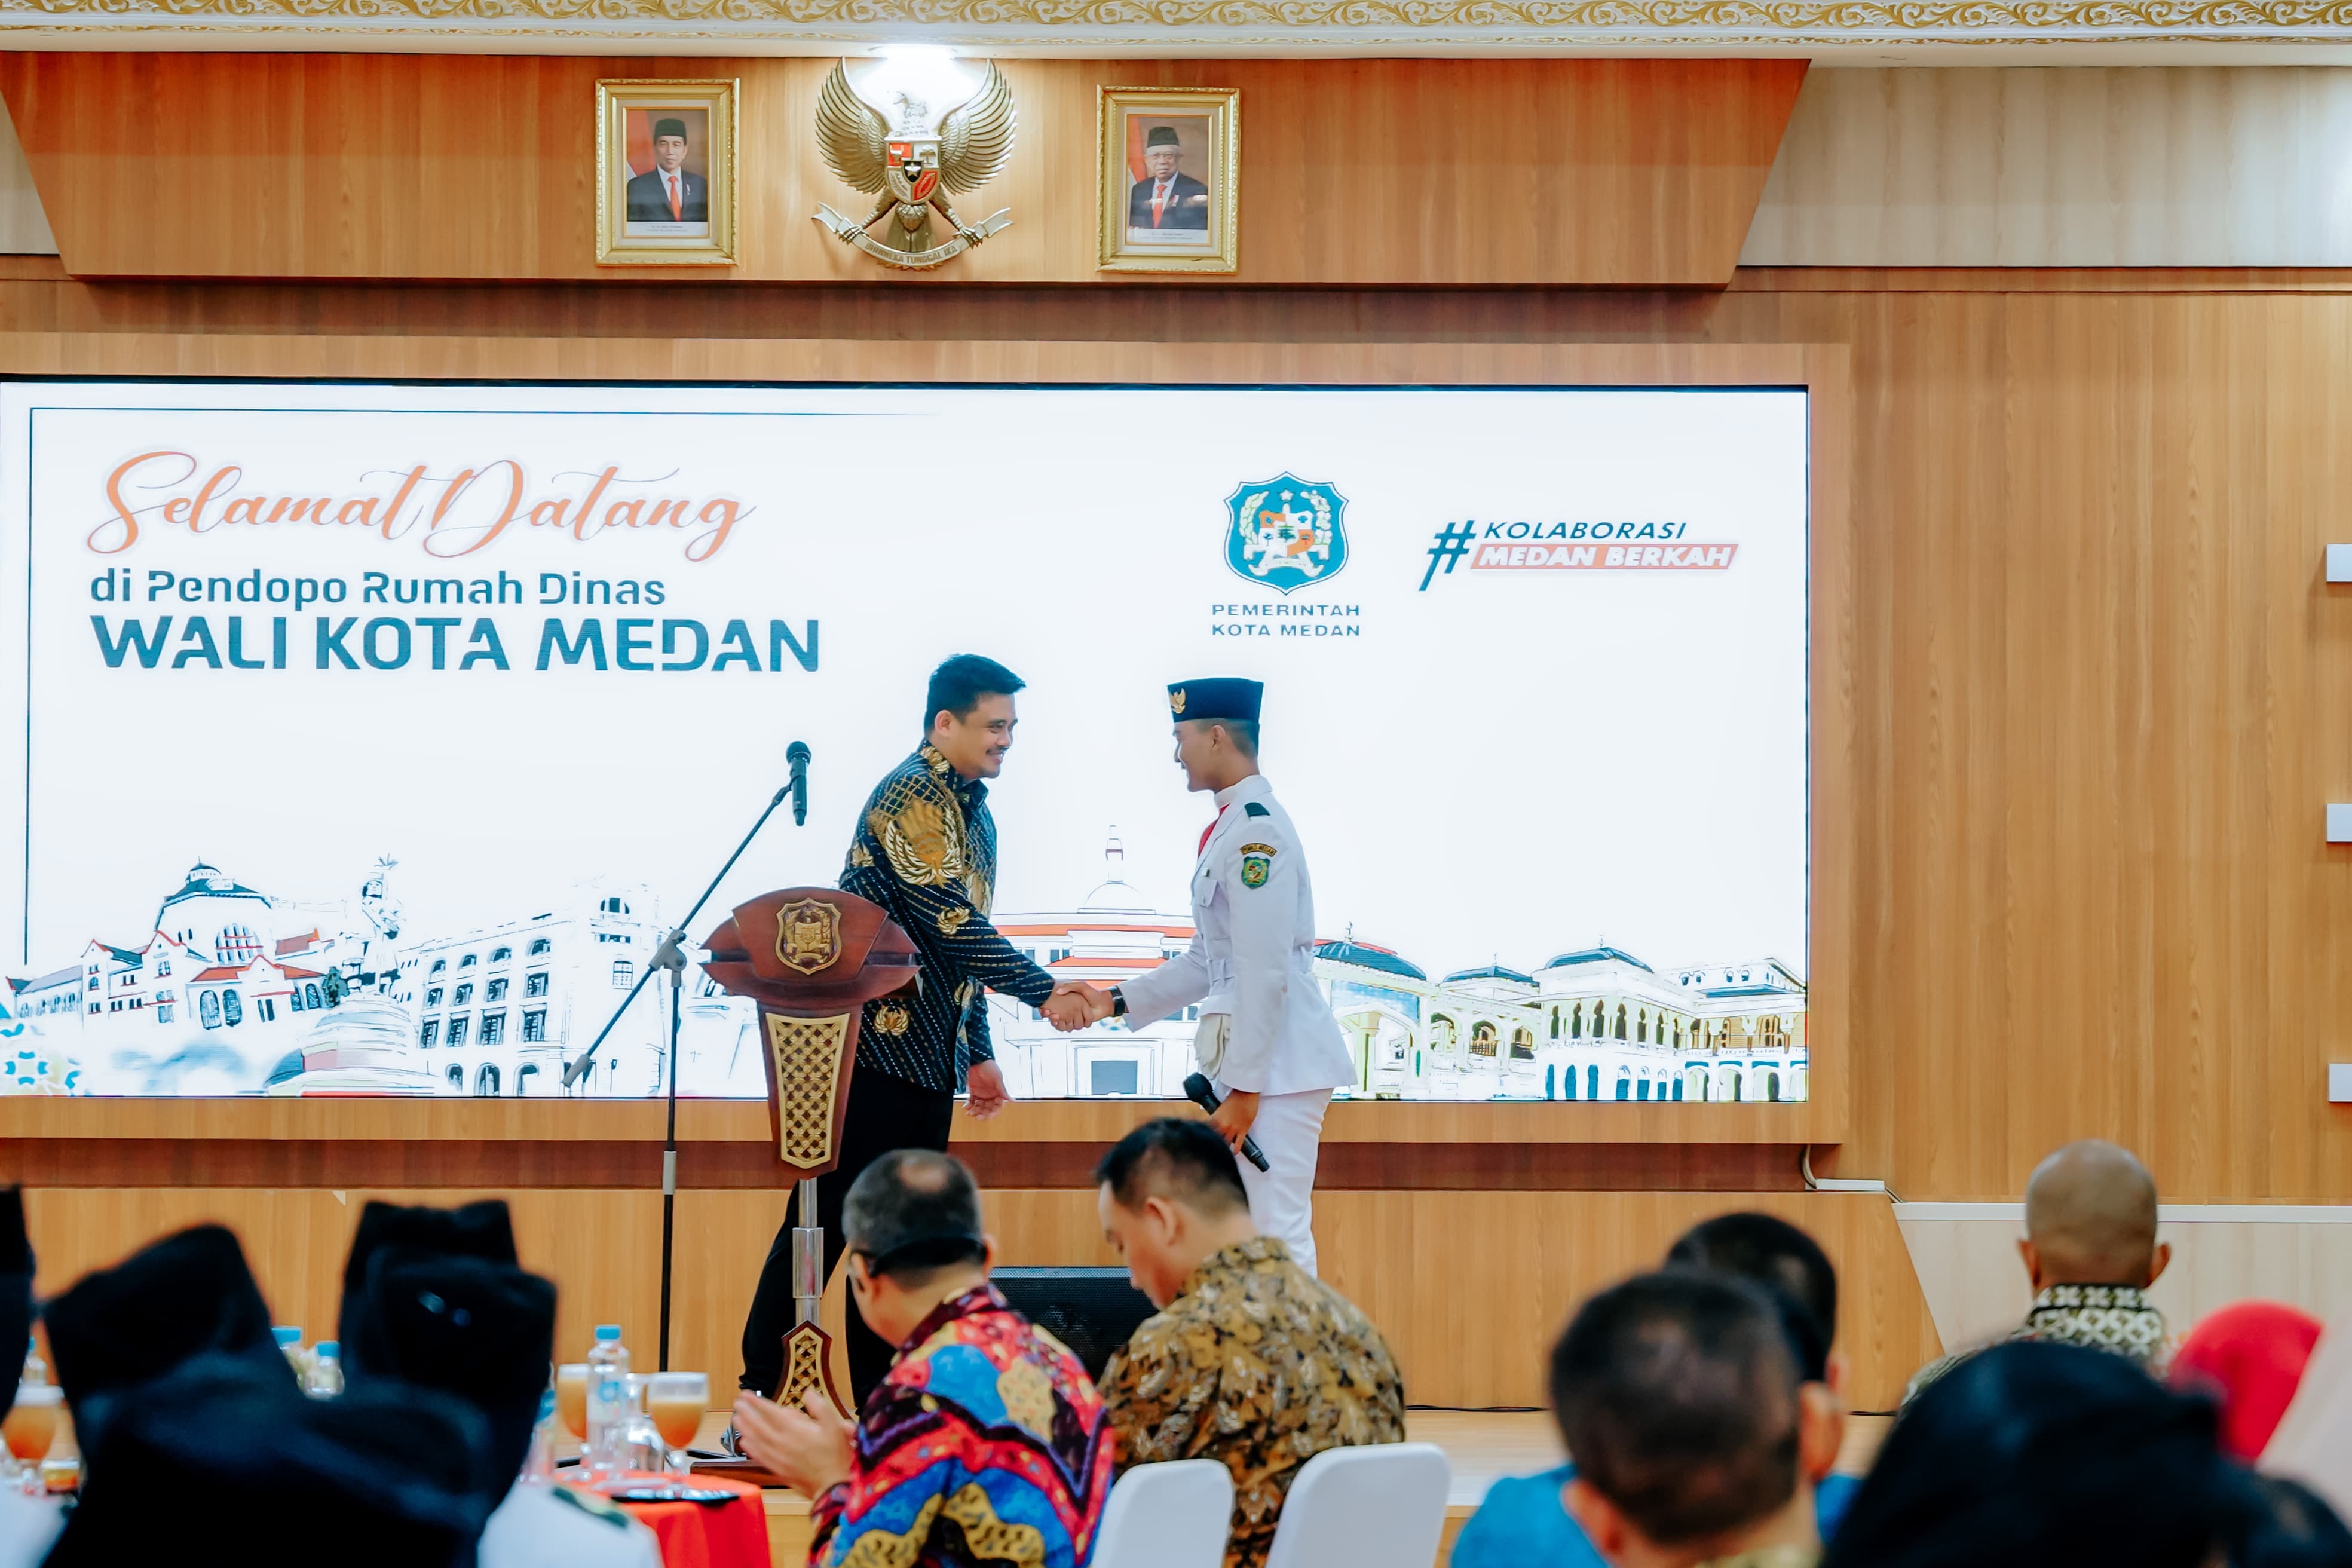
713,1535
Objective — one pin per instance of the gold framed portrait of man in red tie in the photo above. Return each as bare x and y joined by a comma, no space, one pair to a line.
1169,196
665,173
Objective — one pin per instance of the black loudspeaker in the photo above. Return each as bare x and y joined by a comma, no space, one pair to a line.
1092,1311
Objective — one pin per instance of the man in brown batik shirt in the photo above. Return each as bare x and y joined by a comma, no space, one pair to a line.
1250,1360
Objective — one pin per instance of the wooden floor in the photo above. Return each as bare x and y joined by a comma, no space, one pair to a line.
1483,1447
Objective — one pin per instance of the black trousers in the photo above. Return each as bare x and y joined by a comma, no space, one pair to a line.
885,1113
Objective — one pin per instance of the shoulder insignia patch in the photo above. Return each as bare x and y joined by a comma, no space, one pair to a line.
1257,864
596,1507
1254,808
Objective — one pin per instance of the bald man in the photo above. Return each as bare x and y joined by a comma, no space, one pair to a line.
2090,1252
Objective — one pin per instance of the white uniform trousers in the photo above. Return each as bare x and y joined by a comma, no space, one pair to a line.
1289,1131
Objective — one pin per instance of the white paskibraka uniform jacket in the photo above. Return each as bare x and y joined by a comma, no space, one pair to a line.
1254,939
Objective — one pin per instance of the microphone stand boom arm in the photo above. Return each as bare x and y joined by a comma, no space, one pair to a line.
669,952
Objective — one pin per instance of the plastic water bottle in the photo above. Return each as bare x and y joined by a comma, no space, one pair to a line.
326,1378
289,1340
36,1370
538,1468
608,1399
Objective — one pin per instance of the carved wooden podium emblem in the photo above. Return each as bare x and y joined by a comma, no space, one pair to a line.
830,954
808,935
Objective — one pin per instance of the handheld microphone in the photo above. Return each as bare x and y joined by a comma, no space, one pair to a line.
1197,1090
797,754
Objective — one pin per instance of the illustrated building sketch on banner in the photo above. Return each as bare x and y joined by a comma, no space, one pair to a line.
376,734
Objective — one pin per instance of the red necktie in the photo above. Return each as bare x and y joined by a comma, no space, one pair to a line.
1206,831
1159,201
673,212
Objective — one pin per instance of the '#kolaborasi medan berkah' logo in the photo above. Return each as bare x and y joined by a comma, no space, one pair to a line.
1286,532
1572,547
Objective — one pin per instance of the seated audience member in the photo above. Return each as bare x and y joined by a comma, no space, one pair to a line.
2250,1356
484,1332
483,1230
28,1525
2091,1253
1251,1361
2051,1456
1523,1519
2285,1524
984,1443
216,1465
187,1295
1697,1439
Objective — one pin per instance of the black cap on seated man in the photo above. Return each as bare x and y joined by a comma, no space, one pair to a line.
215,1464
187,1295
15,1271
482,1331
483,1230
1696,1437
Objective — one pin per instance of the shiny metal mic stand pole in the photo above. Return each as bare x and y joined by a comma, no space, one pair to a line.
808,1253
668,956
580,1063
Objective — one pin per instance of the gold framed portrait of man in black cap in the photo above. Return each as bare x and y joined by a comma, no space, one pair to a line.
1170,199
666,173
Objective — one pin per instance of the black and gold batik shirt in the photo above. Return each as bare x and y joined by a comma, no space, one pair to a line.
926,851
2117,1318
1260,1366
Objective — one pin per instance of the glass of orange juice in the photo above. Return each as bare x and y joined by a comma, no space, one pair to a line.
676,1401
31,1428
571,1398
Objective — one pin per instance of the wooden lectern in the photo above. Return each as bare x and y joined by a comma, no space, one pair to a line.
812,958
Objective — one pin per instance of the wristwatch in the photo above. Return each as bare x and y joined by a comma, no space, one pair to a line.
1117,1003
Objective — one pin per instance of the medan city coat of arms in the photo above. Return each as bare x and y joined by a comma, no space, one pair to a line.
1286,532
808,935
913,158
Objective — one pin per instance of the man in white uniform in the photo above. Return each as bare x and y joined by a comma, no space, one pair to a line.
1267,1039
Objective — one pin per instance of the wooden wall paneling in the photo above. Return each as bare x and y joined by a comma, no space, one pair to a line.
1468,1288
2095,675
98,1162
603,1248
447,166
742,1124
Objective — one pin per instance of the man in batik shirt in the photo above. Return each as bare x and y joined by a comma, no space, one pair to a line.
985,1445
2091,1253
1251,1361
924,849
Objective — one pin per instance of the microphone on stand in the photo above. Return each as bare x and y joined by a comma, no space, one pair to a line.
797,754
1197,1090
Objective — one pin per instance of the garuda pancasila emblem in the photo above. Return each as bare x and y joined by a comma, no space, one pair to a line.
913,158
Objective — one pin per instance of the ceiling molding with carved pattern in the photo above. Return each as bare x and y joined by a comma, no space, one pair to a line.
2037,31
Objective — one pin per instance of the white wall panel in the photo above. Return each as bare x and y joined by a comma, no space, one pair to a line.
1966,1258
23,227
2062,167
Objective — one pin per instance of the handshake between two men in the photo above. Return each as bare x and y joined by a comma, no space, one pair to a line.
1075,1004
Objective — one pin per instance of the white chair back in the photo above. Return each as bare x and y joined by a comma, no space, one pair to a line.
1380,1507
1176,1515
